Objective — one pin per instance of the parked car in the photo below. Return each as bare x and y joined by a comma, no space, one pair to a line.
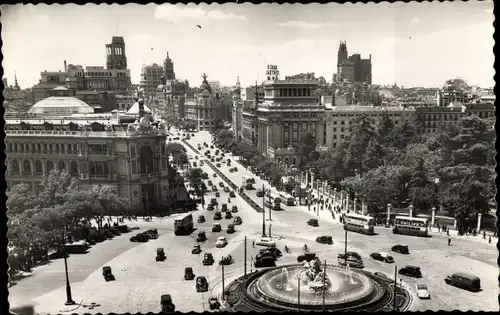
140,238
313,222
382,256
201,236
226,189
230,229
272,250
464,281
352,262
232,194
422,291
160,254
217,194
166,304
221,184
214,201
224,207
237,220
402,249
324,240
196,249
410,271
228,215
234,209
350,254
265,241
217,215
188,273
221,242
201,219
210,207
264,261
107,273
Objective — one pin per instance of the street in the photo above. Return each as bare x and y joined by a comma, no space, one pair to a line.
140,280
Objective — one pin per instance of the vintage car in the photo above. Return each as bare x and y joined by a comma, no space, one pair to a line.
224,207
214,188
218,215
324,240
234,209
210,183
382,256
402,249
350,254
230,229
226,189
260,193
264,261
221,184
210,207
271,250
232,194
160,254
139,238
107,273
228,215
201,219
166,304
353,262
188,273
208,259
221,242
214,201
202,236
214,303
217,194
422,291
235,169
216,227
196,249
237,220
227,260
265,241
313,222
411,271
306,257
215,175
201,284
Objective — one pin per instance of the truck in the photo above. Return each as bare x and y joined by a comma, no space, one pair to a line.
247,182
183,226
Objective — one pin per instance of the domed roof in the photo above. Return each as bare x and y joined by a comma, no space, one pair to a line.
61,105
135,109
160,87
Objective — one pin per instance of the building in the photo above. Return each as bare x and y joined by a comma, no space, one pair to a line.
353,68
338,119
289,110
151,77
116,57
215,86
98,149
168,68
451,94
204,107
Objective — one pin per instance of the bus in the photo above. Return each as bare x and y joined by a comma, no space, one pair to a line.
288,200
411,226
78,247
247,182
184,226
273,203
359,223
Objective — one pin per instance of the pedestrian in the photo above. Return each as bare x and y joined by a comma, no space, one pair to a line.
449,240
253,243
489,240
484,234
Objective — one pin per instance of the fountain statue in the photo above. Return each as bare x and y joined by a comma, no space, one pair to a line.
314,277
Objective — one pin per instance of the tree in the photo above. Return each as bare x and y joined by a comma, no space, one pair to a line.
195,178
178,153
361,133
307,149
246,151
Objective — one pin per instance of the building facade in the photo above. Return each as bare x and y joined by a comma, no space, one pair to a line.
353,68
168,68
204,107
151,77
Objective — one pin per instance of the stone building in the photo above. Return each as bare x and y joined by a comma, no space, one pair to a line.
204,107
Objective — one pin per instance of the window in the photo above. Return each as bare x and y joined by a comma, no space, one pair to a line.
342,122
50,166
61,165
15,167
38,167
73,170
21,147
334,129
27,167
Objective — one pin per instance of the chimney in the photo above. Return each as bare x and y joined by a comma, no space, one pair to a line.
65,66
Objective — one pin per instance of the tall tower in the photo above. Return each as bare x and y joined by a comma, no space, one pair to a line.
341,55
168,67
115,54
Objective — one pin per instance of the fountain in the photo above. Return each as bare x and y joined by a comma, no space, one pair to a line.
286,287
349,274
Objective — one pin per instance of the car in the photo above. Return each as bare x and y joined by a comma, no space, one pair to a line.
221,184
265,241
210,207
215,175
107,273
221,242
214,303
230,229
324,240
383,276
195,164
313,222
237,220
464,281
306,257
422,291
201,219
224,207
230,170
218,215
141,238
232,194
260,193
264,261
234,209
166,304
226,189
271,250
202,236
214,201
387,258
218,165
402,249
160,254
228,215
351,262
235,169
210,183
196,249
201,284
411,271
217,194
208,259
188,273
214,188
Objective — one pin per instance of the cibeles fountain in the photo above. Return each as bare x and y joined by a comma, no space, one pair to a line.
314,286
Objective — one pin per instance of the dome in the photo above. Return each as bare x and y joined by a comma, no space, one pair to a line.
61,105
205,87
134,109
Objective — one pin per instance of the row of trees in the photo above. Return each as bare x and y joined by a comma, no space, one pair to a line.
37,222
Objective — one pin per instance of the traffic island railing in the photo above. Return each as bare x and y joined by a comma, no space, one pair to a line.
242,194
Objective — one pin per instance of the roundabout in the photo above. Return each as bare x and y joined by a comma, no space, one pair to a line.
308,287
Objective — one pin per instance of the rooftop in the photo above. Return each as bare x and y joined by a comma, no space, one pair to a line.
61,105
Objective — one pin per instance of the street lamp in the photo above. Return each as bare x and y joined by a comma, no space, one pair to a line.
69,298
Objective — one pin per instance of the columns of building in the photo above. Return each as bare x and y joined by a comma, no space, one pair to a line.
433,216
479,217
389,207
411,211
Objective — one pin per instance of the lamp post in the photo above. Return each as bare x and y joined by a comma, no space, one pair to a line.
69,298
263,211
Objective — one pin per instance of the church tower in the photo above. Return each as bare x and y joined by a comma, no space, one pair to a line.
168,67
341,55
115,54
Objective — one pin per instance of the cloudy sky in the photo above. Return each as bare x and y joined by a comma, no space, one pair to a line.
416,44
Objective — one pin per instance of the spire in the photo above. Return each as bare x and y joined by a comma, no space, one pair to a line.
15,80
167,55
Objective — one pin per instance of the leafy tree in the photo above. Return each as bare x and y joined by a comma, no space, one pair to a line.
195,177
246,151
307,149
362,131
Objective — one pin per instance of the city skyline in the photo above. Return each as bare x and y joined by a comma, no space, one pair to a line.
411,44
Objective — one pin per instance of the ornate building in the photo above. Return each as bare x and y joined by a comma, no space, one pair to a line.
353,68
204,107
102,149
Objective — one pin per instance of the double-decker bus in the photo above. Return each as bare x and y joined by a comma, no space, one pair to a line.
359,223
183,226
411,226
288,200
247,182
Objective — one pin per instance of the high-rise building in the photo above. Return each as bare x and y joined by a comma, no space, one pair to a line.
151,77
353,68
168,68
115,54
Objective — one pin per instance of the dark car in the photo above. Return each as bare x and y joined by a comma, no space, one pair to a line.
188,273
214,201
410,271
221,184
215,175
352,262
232,194
210,183
201,236
166,304
218,165
216,228
306,257
271,250
160,254
217,194
201,219
224,207
107,273
313,222
260,193
208,259
201,284
228,215
350,254
237,220
196,249
218,215
264,261
382,257
324,240
141,238
230,229
464,281
402,249
234,209
226,189
210,207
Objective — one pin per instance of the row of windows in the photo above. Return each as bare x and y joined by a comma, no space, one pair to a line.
304,115
15,147
38,167
97,149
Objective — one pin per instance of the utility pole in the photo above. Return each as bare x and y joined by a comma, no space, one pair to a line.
263,212
270,203
223,285
270,226
298,293
395,286
245,255
345,247
324,288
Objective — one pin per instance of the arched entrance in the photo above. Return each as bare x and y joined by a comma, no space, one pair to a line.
146,167
146,160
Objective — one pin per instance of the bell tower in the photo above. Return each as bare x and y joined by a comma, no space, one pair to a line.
115,54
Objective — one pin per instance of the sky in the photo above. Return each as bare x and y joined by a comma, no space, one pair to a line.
411,44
